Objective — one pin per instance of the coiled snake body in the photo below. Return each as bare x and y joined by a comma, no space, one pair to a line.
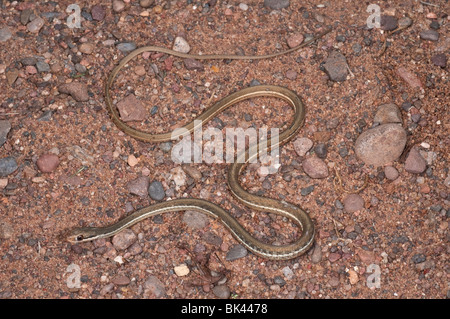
292,212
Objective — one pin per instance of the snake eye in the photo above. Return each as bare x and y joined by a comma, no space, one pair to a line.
79,238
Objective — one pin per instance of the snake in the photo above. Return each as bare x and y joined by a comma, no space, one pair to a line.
280,207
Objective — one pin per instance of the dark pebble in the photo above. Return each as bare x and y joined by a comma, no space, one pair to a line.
439,60
5,127
418,258
42,66
28,61
340,38
431,35
236,252
356,48
343,151
434,25
307,190
126,47
7,166
406,106
367,41
98,12
156,190
388,23
321,150
276,4
279,281
336,66
254,82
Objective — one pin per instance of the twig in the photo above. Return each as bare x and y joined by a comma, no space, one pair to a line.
339,186
11,113
429,4
383,49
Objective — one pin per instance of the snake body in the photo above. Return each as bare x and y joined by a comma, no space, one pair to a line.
292,212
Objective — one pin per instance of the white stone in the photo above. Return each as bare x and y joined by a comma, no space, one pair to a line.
181,45
181,270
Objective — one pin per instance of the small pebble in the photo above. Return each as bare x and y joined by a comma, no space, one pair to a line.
132,160
118,6
193,64
243,6
409,77
154,287
146,3
316,255
86,48
181,45
431,35
391,173
302,145
35,25
195,220
181,270
291,75
288,273
414,162
352,276
42,66
353,203
5,127
6,230
139,186
333,257
31,69
124,239
156,191
28,61
77,90
98,12
388,23
5,34
131,109
307,190
336,66
435,25
315,167
439,60
7,166
236,252
47,163
321,150
295,40
276,4
221,291
388,113
405,22
126,47
121,280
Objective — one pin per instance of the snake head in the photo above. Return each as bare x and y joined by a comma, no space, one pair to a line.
78,235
